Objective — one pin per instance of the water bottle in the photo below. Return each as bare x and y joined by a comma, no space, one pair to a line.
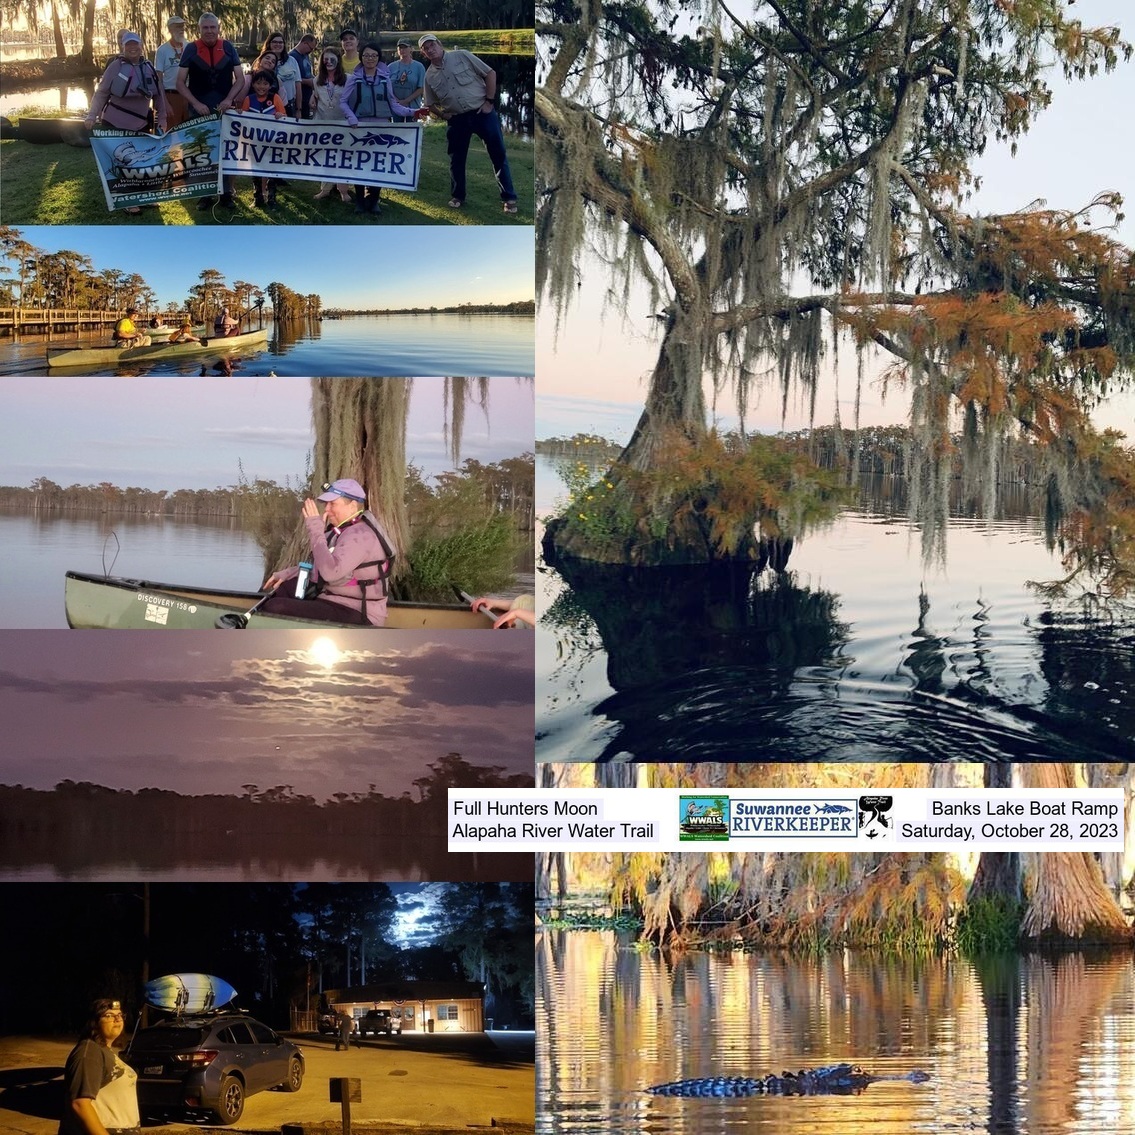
301,580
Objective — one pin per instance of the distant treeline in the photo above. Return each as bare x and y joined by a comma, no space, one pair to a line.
79,825
872,451
520,307
889,450
506,486
588,446
45,495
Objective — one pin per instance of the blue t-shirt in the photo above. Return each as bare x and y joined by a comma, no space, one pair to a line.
406,78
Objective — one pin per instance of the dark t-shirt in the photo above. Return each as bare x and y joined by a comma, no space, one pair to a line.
90,1067
210,73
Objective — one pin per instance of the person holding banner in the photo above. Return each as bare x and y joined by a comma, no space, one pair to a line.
262,99
329,84
461,89
369,97
167,59
211,79
130,86
408,77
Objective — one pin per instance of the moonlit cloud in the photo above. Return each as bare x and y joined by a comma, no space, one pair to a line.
210,711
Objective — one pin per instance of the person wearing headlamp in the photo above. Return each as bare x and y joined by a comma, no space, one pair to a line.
351,561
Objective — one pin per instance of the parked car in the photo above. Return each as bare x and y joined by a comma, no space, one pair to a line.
376,1021
211,1063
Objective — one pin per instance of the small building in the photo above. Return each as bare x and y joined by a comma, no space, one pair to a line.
419,1006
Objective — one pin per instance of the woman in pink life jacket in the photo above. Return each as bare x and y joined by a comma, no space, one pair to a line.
351,562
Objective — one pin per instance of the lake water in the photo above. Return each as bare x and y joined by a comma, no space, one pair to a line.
362,346
41,548
860,653
1014,1046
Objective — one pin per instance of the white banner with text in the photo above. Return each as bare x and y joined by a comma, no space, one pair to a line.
804,819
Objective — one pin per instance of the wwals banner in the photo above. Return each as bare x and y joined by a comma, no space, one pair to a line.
142,169
385,154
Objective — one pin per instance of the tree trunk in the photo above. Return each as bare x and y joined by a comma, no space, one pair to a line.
57,31
998,873
88,51
360,432
1069,903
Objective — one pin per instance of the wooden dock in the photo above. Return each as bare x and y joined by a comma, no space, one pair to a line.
48,320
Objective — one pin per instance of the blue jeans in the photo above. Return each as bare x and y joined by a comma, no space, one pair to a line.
487,127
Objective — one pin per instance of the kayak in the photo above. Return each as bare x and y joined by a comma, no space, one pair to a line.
111,356
139,604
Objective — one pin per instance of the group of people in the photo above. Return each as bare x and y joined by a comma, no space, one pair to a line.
349,83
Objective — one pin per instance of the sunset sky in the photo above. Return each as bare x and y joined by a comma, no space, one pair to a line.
593,374
195,433
206,712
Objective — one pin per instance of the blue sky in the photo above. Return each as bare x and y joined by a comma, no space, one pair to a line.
195,433
349,267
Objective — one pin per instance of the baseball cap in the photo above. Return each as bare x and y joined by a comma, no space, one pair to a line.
405,43
175,20
130,37
426,39
344,487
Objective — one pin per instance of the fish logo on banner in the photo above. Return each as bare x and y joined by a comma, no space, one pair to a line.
875,819
703,818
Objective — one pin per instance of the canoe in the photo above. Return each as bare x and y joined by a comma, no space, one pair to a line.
99,357
41,131
138,604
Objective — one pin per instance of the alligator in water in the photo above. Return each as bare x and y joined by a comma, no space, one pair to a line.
835,1079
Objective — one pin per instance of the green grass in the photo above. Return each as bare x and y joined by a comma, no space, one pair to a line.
59,185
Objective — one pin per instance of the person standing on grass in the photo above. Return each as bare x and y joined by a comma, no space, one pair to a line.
461,90
211,79
407,78
130,95
167,59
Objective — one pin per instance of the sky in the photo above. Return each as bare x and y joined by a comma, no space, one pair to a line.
197,433
593,376
207,713
405,266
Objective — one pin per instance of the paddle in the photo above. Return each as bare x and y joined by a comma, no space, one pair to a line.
467,599
235,621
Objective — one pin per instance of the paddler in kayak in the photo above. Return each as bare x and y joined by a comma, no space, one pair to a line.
351,560
126,333
184,334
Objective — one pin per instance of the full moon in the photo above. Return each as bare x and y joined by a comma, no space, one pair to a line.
324,652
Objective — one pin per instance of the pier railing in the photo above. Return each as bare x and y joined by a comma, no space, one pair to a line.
16,319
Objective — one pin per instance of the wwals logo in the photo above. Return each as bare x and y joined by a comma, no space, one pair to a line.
703,818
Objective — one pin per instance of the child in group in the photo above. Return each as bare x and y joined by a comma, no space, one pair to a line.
263,99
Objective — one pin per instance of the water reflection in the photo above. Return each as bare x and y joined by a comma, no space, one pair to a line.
859,652
1015,1046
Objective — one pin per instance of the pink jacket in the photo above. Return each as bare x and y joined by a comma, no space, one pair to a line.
336,554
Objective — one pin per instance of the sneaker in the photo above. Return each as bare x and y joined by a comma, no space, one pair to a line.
226,199
205,203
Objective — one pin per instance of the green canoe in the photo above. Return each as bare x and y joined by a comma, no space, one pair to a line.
100,357
139,604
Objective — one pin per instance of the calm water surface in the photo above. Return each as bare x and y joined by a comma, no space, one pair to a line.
41,548
371,346
1015,1046
860,653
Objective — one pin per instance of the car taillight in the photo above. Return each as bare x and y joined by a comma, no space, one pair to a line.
197,1059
